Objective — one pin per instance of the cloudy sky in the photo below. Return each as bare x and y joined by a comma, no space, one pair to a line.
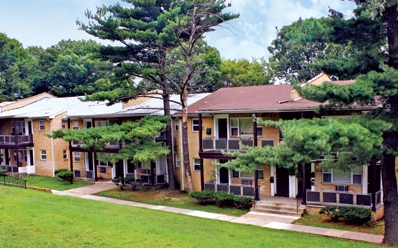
45,22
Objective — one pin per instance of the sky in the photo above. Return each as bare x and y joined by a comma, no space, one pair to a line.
46,22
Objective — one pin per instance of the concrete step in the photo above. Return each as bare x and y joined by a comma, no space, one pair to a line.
281,208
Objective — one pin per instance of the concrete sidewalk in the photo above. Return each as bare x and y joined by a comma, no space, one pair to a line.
257,219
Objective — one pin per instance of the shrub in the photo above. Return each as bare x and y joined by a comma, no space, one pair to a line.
224,199
64,174
242,202
203,197
356,215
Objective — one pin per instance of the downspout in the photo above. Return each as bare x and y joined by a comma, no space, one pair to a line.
52,148
182,164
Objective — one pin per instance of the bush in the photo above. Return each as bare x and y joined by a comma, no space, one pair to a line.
64,174
224,199
203,197
356,215
242,202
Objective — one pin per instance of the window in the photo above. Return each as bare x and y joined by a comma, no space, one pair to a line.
345,177
65,154
43,154
23,155
20,127
196,164
101,123
75,125
178,162
243,126
102,170
245,174
41,125
130,167
76,156
63,125
176,124
195,125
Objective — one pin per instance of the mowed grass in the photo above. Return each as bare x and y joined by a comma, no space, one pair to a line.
372,227
170,198
37,219
53,183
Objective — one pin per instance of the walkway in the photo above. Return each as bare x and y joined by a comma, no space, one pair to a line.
257,219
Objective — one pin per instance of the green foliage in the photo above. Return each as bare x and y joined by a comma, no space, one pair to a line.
137,137
242,72
242,202
221,199
356,215
65,175
2,171
203,197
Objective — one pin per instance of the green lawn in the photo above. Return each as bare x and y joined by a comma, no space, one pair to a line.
169,198
37,219
53,183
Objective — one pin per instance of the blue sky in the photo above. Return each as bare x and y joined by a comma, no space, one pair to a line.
45,22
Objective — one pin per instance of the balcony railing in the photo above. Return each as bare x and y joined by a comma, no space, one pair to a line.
245,190
10,139
234,144
111,145
336,198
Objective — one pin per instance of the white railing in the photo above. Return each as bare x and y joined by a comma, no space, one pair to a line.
10,139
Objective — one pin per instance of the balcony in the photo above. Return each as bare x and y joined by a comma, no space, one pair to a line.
244,190
337,198
16,140
235,144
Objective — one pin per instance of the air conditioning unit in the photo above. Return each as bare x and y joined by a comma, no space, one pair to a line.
341,188
247,182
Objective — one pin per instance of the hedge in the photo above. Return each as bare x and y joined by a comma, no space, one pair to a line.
221,199
356,215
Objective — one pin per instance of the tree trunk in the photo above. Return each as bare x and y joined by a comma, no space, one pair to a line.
185,147
391,140
170,164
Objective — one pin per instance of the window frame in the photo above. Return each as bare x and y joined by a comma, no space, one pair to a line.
63,125
237,127
331,173
177,161
237,174
176,125
18,124
75,125
43,155
42,125
195,125
65,154
76,157
196,162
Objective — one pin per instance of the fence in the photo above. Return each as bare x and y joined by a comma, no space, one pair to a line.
12,181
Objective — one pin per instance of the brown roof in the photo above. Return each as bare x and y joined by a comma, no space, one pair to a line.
251,99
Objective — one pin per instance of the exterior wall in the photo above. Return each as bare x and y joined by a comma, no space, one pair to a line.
44,167
319,185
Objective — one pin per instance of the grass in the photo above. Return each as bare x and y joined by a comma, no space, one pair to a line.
53,183
169,198
36,219
324,221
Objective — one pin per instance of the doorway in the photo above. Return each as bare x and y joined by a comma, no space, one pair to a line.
222,128
282,181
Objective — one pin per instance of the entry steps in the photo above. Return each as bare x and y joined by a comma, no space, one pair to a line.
279,208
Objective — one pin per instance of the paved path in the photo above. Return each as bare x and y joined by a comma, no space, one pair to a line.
257,219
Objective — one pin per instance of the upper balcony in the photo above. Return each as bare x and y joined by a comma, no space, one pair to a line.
16,140
235,144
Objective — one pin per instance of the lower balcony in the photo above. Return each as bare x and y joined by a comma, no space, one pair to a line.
337,198
244,190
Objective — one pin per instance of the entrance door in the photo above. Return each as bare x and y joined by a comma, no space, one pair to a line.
119,169
222,128
224,175
282,181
